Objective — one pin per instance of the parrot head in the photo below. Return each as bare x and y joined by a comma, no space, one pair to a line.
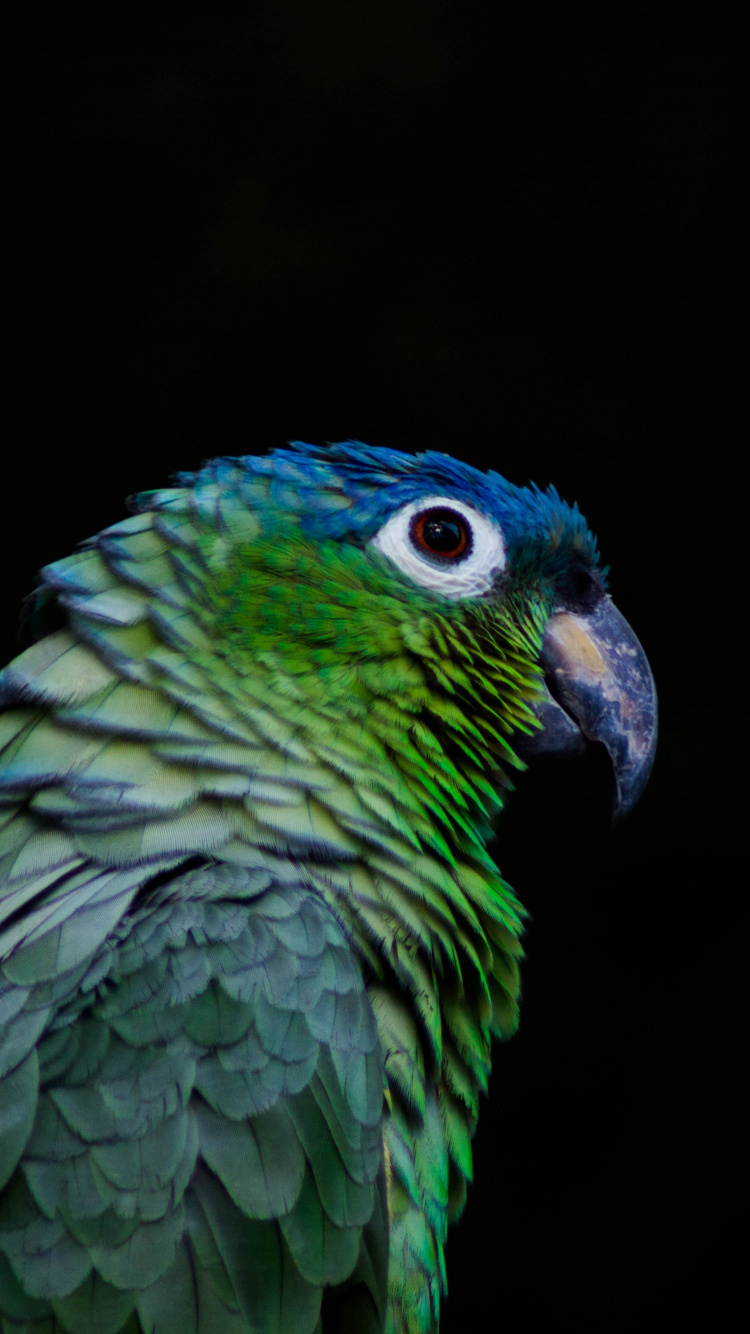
454,617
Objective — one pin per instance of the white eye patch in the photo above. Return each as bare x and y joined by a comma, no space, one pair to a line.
444,544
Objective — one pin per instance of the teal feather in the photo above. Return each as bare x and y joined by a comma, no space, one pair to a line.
45,1258
20,1037
170,1305
235,1094
109,1229
18,1102
94,1308
323,1252
271,1292
260,1162
15,1302
324,1158
143,1257
215,1019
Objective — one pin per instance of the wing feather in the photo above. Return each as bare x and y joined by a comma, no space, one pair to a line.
194,1138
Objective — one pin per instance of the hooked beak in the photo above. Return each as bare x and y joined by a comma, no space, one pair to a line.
598,684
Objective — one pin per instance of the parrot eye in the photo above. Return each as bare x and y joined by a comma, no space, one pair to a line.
441,532
444,544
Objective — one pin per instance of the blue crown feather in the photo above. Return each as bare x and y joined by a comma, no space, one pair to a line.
349,490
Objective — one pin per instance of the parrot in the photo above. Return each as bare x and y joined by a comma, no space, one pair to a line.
254,944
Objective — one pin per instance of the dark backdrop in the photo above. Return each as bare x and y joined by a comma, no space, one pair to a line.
513,233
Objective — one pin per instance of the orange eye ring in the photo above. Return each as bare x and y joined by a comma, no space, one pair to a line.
441,533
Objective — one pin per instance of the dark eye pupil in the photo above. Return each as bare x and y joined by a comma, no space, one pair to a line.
442,535
442,532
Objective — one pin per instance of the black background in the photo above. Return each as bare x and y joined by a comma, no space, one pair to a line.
514,233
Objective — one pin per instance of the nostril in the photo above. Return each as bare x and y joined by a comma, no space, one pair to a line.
582,583
581,588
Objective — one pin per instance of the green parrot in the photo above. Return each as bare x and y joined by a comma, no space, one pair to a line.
253,947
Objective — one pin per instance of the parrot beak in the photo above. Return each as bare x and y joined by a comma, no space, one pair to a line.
598,684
